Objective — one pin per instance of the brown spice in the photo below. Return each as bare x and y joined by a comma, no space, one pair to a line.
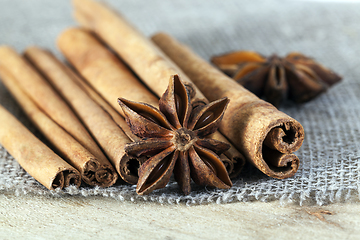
107,133
34,156
112,79
174,136
295,76
145,58
118,119
128,166
265,135
46,98
92,171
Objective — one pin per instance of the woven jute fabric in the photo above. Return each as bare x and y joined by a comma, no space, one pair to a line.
327,31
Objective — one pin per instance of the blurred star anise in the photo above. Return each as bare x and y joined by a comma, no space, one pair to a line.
295,76
174,137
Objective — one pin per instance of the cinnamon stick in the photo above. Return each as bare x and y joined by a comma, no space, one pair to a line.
90,58
34,156
118,119
110,77
152,66
264,134
128,166
46,98
107,133
92,171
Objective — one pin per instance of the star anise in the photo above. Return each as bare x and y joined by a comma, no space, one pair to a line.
175,139
295,76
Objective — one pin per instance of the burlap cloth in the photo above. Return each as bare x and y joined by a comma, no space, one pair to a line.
327,31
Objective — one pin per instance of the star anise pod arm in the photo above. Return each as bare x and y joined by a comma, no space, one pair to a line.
175,103
320,70
156,171
145,121
175,137
229,62
212,169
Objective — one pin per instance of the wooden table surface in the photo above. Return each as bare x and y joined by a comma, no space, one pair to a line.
39,217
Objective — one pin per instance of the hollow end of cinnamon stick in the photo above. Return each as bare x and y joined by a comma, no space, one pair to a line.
58,181
286,138
96,174
280,165
234,162
70,178
229,165
277,148
129,167
268,137
239,163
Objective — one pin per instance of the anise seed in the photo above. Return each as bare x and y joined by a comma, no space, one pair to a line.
179,107
205,119
209,164
149,117
158,170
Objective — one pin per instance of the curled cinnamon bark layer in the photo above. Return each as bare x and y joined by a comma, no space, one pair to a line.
34,156
92,171
147,60
266,136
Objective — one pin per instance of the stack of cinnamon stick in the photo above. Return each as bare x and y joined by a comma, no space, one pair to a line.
78,111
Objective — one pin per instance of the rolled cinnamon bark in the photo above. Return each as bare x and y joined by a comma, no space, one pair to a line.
150,64
34,156
107,133
47,99
129,165
102,69
93,172
264,134
118,119
112,79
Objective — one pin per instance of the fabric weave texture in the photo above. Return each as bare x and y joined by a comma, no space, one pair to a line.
327,31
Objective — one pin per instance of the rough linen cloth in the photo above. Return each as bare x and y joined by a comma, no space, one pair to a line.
327,31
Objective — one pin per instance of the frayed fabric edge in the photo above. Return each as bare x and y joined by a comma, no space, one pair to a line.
126,193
